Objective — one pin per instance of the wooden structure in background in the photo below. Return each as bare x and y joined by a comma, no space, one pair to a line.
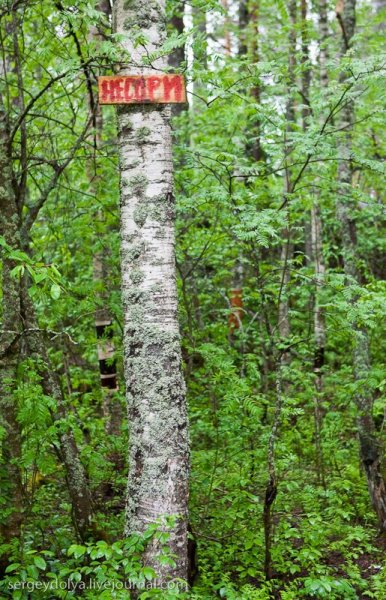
236,302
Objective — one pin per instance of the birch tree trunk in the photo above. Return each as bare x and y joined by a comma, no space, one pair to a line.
155,390
370,448
323,36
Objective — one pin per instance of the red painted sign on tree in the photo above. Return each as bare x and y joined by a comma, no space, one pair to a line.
142,89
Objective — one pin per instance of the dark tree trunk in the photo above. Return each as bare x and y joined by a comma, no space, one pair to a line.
10,338
200,54
68,451
370,447
243,25
176,59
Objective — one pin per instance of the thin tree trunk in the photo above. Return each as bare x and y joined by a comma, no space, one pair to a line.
68,451
256,92
158,453
106,352
11,485
248,19
112,409
200,55
176,59
283,317
319,268
199,21
249,45
243,25
272,486
370,448
319,334
306,70
284,357
227,33
323,35
313,235
287,246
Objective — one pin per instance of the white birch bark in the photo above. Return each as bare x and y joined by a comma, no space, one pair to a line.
158,453
323,35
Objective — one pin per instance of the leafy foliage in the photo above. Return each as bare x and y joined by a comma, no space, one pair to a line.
234,212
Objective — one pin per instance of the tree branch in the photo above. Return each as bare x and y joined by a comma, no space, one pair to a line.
33,100
34,210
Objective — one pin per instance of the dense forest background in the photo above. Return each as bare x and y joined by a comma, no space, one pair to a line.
279,186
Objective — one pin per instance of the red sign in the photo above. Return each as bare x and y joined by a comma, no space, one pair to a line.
142,89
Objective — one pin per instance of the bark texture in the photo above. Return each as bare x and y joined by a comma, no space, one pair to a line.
323,35
10,474
370,447
68,451
243,24
158,453
319,334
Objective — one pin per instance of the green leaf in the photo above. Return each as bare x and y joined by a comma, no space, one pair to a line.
12,567
40,563
149,573
76,550
55,291
32,571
